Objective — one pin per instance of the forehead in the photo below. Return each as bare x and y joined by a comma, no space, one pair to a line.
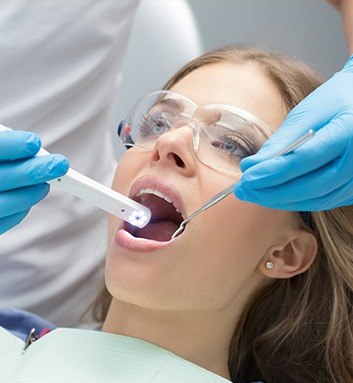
243,86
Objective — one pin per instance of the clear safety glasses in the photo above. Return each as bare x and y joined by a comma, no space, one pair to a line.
222,135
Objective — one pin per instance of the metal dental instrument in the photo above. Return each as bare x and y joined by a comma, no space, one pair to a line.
99,195
229,190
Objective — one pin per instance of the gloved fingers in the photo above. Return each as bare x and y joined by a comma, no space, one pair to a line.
336,198
32,171
314,112
19,200
16,145
327,145
7,223
342,196
308,186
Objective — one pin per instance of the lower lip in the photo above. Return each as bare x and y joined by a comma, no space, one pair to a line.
124,239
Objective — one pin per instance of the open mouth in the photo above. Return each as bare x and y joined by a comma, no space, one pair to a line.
166,218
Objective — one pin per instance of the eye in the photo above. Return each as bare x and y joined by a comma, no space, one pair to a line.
234,146
153,125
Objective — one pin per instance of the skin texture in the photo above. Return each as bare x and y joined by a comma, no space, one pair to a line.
189,296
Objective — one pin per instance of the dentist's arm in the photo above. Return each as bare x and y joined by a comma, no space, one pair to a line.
347,15
345,7
23,177
318,175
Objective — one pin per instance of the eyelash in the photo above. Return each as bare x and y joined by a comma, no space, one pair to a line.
247,150
234,139
145,122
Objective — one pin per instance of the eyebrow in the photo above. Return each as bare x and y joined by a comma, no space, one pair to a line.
257,124
261,129
170,102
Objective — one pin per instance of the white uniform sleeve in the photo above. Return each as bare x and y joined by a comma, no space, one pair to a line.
59,72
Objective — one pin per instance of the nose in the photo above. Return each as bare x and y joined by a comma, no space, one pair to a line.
175,149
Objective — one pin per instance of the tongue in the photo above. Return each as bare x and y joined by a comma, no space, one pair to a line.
158,231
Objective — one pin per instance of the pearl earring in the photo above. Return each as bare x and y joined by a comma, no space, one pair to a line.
269,265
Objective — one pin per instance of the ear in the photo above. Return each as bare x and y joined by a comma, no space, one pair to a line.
292,257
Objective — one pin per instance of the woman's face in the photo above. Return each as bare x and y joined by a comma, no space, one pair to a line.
219,257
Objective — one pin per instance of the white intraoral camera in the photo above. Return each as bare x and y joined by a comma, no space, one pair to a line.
99,195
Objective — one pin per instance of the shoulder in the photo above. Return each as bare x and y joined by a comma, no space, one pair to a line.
20,323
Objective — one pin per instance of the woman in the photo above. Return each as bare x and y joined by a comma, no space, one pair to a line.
245,293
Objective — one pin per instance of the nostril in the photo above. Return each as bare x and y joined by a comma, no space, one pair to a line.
179,162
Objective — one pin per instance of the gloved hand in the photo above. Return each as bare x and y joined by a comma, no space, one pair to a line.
22,177
317,175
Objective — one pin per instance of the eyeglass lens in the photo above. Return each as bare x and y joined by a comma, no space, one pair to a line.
221,137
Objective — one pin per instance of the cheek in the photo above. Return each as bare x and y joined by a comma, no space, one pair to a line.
234,237
221,258
225,245
233,226
247,226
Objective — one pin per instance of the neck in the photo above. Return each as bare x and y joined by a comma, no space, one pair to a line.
202,338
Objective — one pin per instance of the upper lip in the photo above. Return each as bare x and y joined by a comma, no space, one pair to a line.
162,185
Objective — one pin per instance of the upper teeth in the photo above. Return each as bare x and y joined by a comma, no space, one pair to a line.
142,193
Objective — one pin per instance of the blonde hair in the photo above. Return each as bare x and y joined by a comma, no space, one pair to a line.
297,329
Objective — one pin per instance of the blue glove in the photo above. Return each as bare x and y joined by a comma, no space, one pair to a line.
317,175
22,176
